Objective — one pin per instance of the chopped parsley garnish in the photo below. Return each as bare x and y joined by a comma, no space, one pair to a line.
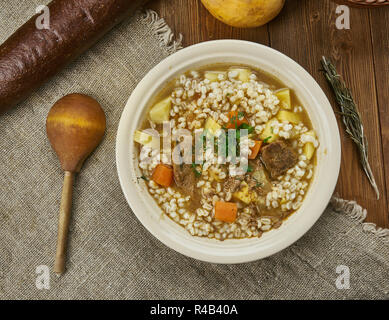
249,168
144,178
197,173
234,121
246,126
267,139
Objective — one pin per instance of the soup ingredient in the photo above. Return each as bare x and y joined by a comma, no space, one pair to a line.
142,138
236,119
243,74
255,149
160,112
226,211
146,139
260,178
268,135
284,96
278,158
232,184
289,116
212,126
31,56
245,194
309,148
214,76
75,126
163,175
185,177
244,13
351,118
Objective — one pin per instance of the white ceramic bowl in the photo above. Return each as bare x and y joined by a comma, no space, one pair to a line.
310,95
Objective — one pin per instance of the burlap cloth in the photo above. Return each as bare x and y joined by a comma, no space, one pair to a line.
111,255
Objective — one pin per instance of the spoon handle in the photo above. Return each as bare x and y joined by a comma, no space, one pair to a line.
63,223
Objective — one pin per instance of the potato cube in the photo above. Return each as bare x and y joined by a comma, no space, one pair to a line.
289,117
213,76
243,74
244,194
284,96
309,150
212,126
267,134
160,112
146,139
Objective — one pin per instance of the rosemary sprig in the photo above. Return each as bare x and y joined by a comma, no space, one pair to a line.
350,116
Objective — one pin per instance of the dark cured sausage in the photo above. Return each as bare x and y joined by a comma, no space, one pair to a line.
31,56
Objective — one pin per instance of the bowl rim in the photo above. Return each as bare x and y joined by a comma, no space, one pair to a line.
192,246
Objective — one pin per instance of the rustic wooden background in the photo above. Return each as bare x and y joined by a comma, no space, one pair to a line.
305,30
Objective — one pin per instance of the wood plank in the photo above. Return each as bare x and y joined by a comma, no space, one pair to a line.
196,24
380,38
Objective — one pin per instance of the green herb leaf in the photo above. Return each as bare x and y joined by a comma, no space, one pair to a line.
197,173
267,139
246,126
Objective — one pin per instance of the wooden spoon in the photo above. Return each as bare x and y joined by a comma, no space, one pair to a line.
75,126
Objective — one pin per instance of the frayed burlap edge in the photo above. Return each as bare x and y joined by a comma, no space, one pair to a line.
163,31
354,211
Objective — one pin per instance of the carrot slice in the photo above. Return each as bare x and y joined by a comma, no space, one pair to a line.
255,149
163,175
235,120
226,211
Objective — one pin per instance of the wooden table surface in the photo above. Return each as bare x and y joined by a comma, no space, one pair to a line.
305,30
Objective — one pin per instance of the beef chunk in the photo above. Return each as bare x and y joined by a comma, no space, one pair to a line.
278,158
185,178
232,184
